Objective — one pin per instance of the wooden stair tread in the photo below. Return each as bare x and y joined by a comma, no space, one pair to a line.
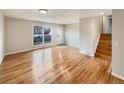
104,48
102,56
109,53
105,37
105,41
106,34
105,45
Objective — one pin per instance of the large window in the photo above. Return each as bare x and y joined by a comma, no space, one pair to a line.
38,38
41,35
47,35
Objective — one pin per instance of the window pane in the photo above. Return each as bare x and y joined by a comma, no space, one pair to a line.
38,40
47,39
40,30
47,31
37,30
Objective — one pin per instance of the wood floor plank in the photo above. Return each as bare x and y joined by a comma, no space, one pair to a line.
58,65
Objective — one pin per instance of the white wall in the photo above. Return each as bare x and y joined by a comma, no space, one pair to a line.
19,34
89,33
118,43
60,34
106,25
1,37
72,35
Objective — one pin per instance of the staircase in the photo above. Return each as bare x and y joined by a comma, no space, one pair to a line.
104,48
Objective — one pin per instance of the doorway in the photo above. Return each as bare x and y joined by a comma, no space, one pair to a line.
107,24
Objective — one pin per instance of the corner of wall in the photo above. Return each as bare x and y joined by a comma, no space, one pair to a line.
2,38
116,75
96,44
89,35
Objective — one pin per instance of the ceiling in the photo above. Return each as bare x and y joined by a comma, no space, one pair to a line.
59,16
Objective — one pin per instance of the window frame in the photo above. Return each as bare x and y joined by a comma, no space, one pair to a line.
47,35
42,43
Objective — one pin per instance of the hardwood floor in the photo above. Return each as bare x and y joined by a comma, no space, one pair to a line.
55,65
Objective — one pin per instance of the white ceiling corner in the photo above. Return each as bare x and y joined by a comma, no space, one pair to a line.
59,16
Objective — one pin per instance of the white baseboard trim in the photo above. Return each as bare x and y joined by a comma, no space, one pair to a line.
96,44
120,77
72,46
28,50
82,52
18,52
2,59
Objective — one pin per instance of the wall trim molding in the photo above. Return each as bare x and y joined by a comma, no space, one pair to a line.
96,44
89,54
26,50
118,76
2,59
